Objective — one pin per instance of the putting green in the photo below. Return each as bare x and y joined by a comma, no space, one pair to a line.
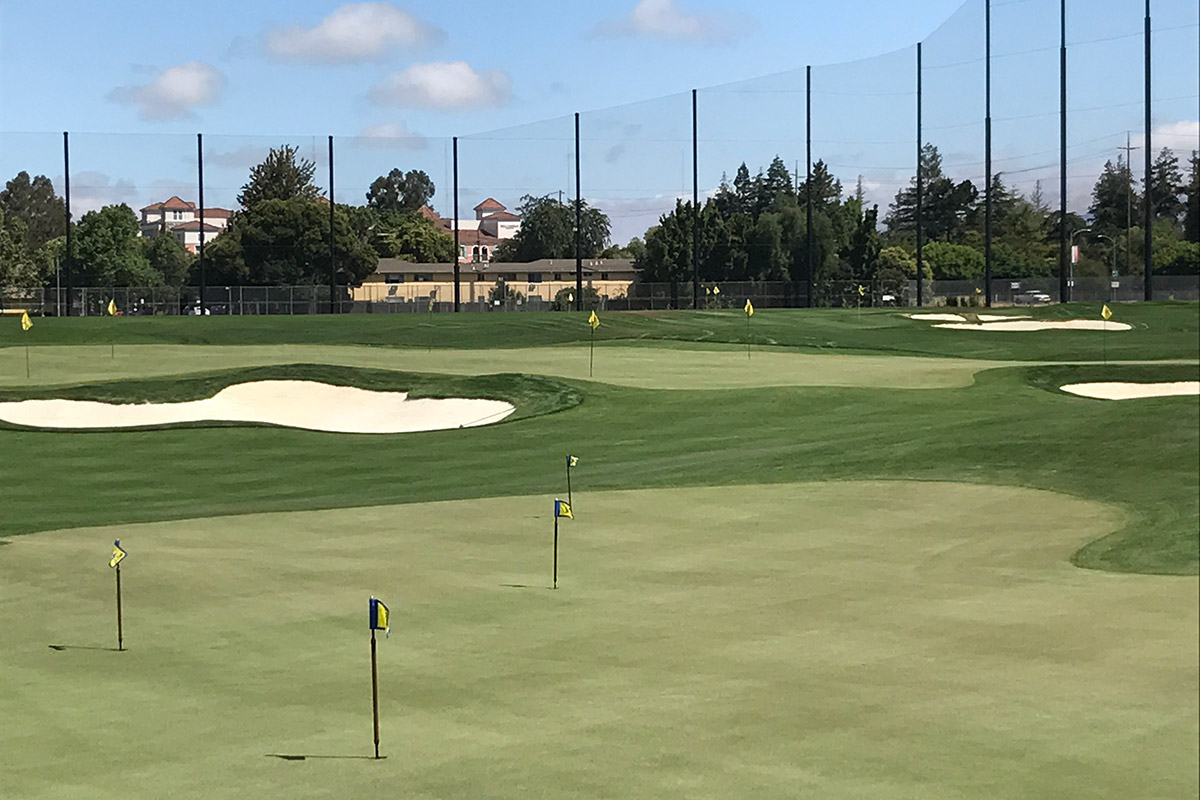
638,366
883,640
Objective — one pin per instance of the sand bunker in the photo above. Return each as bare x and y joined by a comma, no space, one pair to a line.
1040,325
295,404
964,318
1133,391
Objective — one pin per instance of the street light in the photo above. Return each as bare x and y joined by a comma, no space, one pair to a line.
1113,276
1071,279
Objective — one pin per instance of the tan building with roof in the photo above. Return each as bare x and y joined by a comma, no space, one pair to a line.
397,281
479,237
181,219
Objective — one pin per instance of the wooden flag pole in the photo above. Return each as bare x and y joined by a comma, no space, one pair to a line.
375,692
120,630
555,584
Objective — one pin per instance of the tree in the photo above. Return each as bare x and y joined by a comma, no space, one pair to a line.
17,266
1113,198
634,250
826,189
1167,190
548,231
1191,218
953,261
110,251
33,202
401,191
281,176
505,295
169,259
286,242
945,204
564,300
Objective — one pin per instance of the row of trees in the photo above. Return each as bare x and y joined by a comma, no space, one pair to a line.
754,228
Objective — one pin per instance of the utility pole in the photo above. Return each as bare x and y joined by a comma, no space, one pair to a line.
1128,198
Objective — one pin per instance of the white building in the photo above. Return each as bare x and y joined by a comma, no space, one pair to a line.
478,237
181,219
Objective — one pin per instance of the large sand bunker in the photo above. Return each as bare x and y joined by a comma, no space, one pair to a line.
1133,391
966,317
294,404
1040,325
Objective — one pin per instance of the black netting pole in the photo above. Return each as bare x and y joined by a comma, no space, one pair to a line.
987,155
695,210
1149,220
1064,290
200,191
332,259
67,213
808,180
578,231
456,276
920,190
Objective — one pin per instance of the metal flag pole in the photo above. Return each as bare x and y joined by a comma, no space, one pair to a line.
555,584
375,692
570,502
120,630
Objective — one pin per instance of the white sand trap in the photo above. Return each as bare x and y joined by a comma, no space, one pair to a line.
1133,391
961,318
295,404
1041,325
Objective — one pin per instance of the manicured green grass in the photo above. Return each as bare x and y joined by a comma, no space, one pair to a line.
1160,330
833,640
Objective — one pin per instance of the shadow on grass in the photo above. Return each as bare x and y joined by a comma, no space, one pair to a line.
306,756
525,586
61,647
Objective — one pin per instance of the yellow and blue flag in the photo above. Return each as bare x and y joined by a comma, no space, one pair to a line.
562,509
572,461
379,616
593,320
118,554
26,322
749,309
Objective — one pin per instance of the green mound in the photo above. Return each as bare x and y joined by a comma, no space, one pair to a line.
858,639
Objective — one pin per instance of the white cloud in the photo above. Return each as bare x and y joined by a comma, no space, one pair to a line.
443,84
354,32
664,19
242,157
174,92
390,135
91,191
1182,136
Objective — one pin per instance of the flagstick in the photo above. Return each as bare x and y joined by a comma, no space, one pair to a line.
26,362
570,502
555,585
592,353
747,336
375,692
120,632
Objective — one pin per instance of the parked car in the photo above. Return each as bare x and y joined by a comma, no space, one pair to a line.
1030,297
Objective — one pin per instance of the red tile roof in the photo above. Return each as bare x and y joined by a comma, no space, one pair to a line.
491,202
172,203
505,216
194,225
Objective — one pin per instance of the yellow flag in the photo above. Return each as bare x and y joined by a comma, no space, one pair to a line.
749,309
112,308
118,554
593,320
26,322
562,509
1106,312
861,290
716,290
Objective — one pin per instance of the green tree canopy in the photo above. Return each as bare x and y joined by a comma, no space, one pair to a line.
953,261
1167,189
1114,199
169,259
548,231
110,252
282,175
34,203
401,191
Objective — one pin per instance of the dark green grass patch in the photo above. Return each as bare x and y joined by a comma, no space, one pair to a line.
1140,456
1161,330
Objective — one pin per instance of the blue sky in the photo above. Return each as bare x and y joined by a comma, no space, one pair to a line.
393,80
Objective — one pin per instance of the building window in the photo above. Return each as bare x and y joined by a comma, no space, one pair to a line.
475,253
483,251
422,276
508,276
603,276
394,277
177,215
535,277
558,276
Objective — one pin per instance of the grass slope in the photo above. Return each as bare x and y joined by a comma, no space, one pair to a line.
1140,456
845,640
1160,330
